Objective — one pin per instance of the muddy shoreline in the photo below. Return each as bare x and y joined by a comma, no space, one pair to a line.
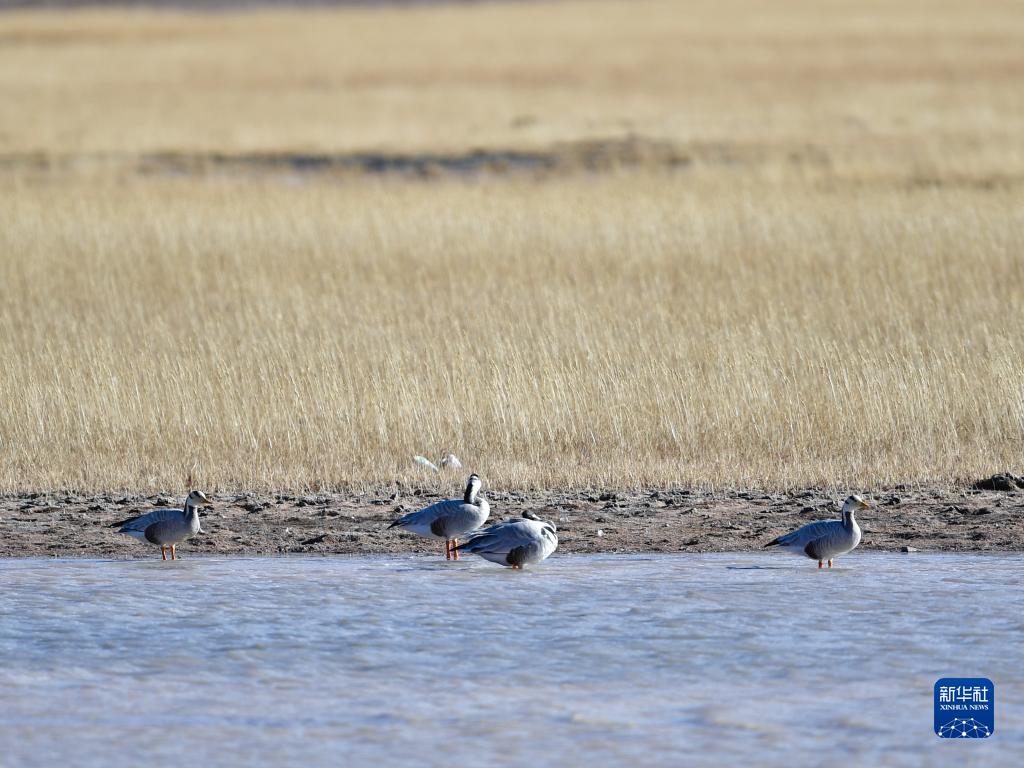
676,520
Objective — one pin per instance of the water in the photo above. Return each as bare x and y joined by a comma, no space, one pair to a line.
630,660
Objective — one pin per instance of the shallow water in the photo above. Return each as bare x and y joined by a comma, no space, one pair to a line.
642,660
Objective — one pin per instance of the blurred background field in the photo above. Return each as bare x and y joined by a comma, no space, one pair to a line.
576,243
865,88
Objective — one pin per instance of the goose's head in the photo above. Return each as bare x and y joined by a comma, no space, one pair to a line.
473,486
534,516
198,499
853,504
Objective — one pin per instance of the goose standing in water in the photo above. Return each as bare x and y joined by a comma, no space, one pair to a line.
514,543
449,519
826,539
167,527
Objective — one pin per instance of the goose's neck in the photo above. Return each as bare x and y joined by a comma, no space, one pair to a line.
849,522
190,509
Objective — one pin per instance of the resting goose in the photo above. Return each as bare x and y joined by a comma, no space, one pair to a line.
514,543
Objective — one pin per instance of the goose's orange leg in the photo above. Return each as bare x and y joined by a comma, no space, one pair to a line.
819,563
829,563
174,555
163,552
447,549
455,549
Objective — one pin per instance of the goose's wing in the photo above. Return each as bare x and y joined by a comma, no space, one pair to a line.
465,518
142,522
502,538
428,521
167,531
801,537
834,541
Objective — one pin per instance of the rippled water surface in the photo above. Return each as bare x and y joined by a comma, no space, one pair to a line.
631,660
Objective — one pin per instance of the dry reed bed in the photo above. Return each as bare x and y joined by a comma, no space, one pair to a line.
826,289
635,329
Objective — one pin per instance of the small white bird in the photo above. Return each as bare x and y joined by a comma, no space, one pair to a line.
167,527
451,461
514,543
826,539
423,461
449,519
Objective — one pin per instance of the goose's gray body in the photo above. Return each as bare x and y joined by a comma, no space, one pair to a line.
451,518
167,527
514,543
826,539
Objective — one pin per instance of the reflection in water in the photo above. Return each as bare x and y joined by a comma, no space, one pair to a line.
645,660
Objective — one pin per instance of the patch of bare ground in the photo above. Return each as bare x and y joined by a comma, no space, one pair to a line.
672,520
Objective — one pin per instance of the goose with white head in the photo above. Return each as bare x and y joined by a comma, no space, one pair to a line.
827,539
166,528
515,543
449,519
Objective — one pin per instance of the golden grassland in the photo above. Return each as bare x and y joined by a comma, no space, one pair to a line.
619,330
829,293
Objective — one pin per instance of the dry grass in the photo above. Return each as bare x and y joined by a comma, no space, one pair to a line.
829,294
625,330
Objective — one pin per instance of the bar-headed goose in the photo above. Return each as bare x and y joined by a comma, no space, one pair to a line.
826,539
167,527
449,519
514,543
